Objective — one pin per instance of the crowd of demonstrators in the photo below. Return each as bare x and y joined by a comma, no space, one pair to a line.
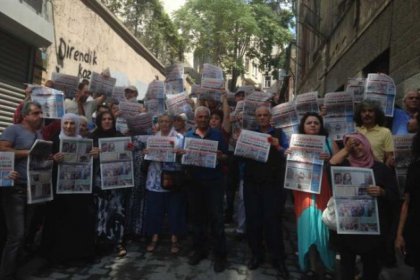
78,227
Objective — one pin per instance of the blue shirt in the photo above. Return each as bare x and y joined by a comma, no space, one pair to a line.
400,121
203,173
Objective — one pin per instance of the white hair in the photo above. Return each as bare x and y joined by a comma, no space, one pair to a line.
201,109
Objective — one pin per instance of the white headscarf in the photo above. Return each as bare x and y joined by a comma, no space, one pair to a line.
76,119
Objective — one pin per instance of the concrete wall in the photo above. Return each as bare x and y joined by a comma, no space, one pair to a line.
359,36
85,42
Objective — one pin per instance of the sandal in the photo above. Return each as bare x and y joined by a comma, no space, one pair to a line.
175,247
122,251
152,246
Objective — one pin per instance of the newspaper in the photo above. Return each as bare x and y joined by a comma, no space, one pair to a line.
51,101
356,86
7,165
102,84
200,152
39,169
178,103
206,93
65,83
304,167
129,109
75,171
252,102
155,90
246,89
118,93
212,77
381,88
285,116
339,118
236,124
116,160
160,148
403,157
253,145
174,82
155,106
306,102
140,124
356,211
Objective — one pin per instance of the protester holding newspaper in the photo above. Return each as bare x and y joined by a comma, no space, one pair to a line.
109,204
18,138
313,234
407,240
264,196
357,152
160,200
69,224
205,196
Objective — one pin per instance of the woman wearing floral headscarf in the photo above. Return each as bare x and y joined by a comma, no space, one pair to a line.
357,152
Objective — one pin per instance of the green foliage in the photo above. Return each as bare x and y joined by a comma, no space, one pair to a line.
225,32
151,25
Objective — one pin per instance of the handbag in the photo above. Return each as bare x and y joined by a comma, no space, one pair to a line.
172,180
328,215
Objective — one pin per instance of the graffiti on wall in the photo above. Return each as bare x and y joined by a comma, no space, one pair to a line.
68,52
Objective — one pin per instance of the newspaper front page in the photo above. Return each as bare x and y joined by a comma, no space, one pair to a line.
75,172
253,145
66,83
304,167
102,84
306,102
116,161
7,165
356,86
178,103
39,169
356,211
140,124
381,88
339,118
212,77
161,148
285,116
51,101
174,82
118,93
200,152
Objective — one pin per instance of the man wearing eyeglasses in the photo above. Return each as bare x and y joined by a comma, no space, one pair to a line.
17,138
411,102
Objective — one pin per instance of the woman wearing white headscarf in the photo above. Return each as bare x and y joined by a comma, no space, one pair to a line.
69,225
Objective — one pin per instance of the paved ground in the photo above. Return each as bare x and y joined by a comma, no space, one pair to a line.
161,265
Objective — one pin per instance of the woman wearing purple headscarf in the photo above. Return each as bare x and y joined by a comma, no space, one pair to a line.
357,152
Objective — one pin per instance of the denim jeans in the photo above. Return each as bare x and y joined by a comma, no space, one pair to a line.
13,202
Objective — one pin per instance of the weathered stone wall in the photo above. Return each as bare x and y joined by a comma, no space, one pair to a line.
84,42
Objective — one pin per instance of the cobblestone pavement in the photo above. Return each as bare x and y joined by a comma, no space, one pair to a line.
161,265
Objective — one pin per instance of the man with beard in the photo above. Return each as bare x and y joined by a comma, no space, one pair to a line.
369,119
18,139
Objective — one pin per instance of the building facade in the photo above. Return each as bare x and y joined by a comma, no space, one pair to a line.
341,39
70,37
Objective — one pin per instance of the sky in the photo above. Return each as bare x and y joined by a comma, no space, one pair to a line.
172,5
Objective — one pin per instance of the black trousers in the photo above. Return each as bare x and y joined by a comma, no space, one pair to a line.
263,209
205,200
370,262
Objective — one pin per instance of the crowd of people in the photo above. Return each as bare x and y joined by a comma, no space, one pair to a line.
199,200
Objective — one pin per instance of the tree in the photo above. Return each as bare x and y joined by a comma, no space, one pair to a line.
151,25
225,32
